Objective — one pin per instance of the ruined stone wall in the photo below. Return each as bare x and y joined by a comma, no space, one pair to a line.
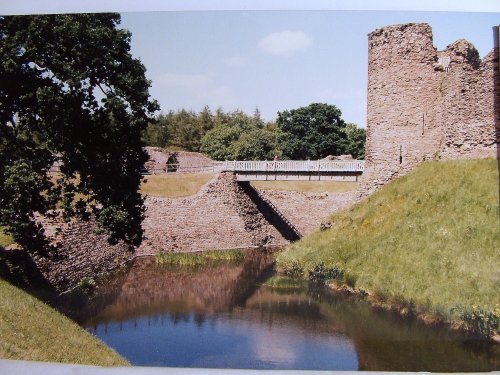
219,216
307,210
75,253
157,162
190,162
80,253
418,110
187,161
468,103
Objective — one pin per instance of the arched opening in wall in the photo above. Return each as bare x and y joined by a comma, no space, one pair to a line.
172,163
400,154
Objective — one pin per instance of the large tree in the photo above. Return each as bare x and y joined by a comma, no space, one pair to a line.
356,139
71,92
312,132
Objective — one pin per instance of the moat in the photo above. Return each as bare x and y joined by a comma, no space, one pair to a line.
221,315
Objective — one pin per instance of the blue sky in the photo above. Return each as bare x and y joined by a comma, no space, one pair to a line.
276,60
242,54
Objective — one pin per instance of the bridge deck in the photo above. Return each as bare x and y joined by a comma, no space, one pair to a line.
291,166
286,170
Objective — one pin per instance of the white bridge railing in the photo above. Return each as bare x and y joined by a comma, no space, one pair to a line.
290,166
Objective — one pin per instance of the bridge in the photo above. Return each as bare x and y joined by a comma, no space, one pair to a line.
279,170
293,170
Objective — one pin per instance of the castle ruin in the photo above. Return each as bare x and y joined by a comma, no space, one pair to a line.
425,104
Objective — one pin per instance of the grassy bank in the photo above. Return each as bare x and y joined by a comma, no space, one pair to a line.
307,186
31,330
5,239
200,258
429,241
174,185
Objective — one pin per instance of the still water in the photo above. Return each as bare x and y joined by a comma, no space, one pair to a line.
221,316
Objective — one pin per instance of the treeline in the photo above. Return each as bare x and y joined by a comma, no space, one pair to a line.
310,132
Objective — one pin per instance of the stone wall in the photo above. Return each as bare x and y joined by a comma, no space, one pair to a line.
307,210
419,110
187,161
77,253
219,216
157,162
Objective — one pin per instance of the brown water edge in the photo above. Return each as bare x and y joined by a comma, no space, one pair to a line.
406,311
387,341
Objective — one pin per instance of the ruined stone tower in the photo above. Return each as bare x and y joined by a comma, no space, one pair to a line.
426,104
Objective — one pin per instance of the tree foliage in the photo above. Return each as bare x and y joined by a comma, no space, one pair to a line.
220,135
256,144
239,136
71,91
312,132
304,133
218,142
179,130
356,138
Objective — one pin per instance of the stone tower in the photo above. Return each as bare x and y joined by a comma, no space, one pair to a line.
426,104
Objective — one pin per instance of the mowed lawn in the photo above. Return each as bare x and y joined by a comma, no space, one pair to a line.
186,184
174,185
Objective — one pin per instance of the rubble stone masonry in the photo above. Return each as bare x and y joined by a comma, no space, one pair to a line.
420,109
219,216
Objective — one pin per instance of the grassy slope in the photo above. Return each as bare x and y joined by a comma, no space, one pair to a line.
431,237
5,239
31,330
174,185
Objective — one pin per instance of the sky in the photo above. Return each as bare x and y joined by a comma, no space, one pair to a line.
276,60
223,54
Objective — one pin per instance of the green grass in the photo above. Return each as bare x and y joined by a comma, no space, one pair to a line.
307,186
5,239
431,238
280,282
31,330
200,258
174,185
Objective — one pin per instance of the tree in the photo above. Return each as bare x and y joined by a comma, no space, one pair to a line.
257,144
312,132
217,143
206,120
257,118
71,91
157,134
356,138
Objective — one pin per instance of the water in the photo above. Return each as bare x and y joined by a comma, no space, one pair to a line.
220,316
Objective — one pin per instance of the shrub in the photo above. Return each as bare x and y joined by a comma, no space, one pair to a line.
321,275
295,271
87,284
481,321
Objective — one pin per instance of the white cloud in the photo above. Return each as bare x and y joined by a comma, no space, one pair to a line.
235,61
285,42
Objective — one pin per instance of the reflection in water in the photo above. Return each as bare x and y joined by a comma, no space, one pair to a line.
219,316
